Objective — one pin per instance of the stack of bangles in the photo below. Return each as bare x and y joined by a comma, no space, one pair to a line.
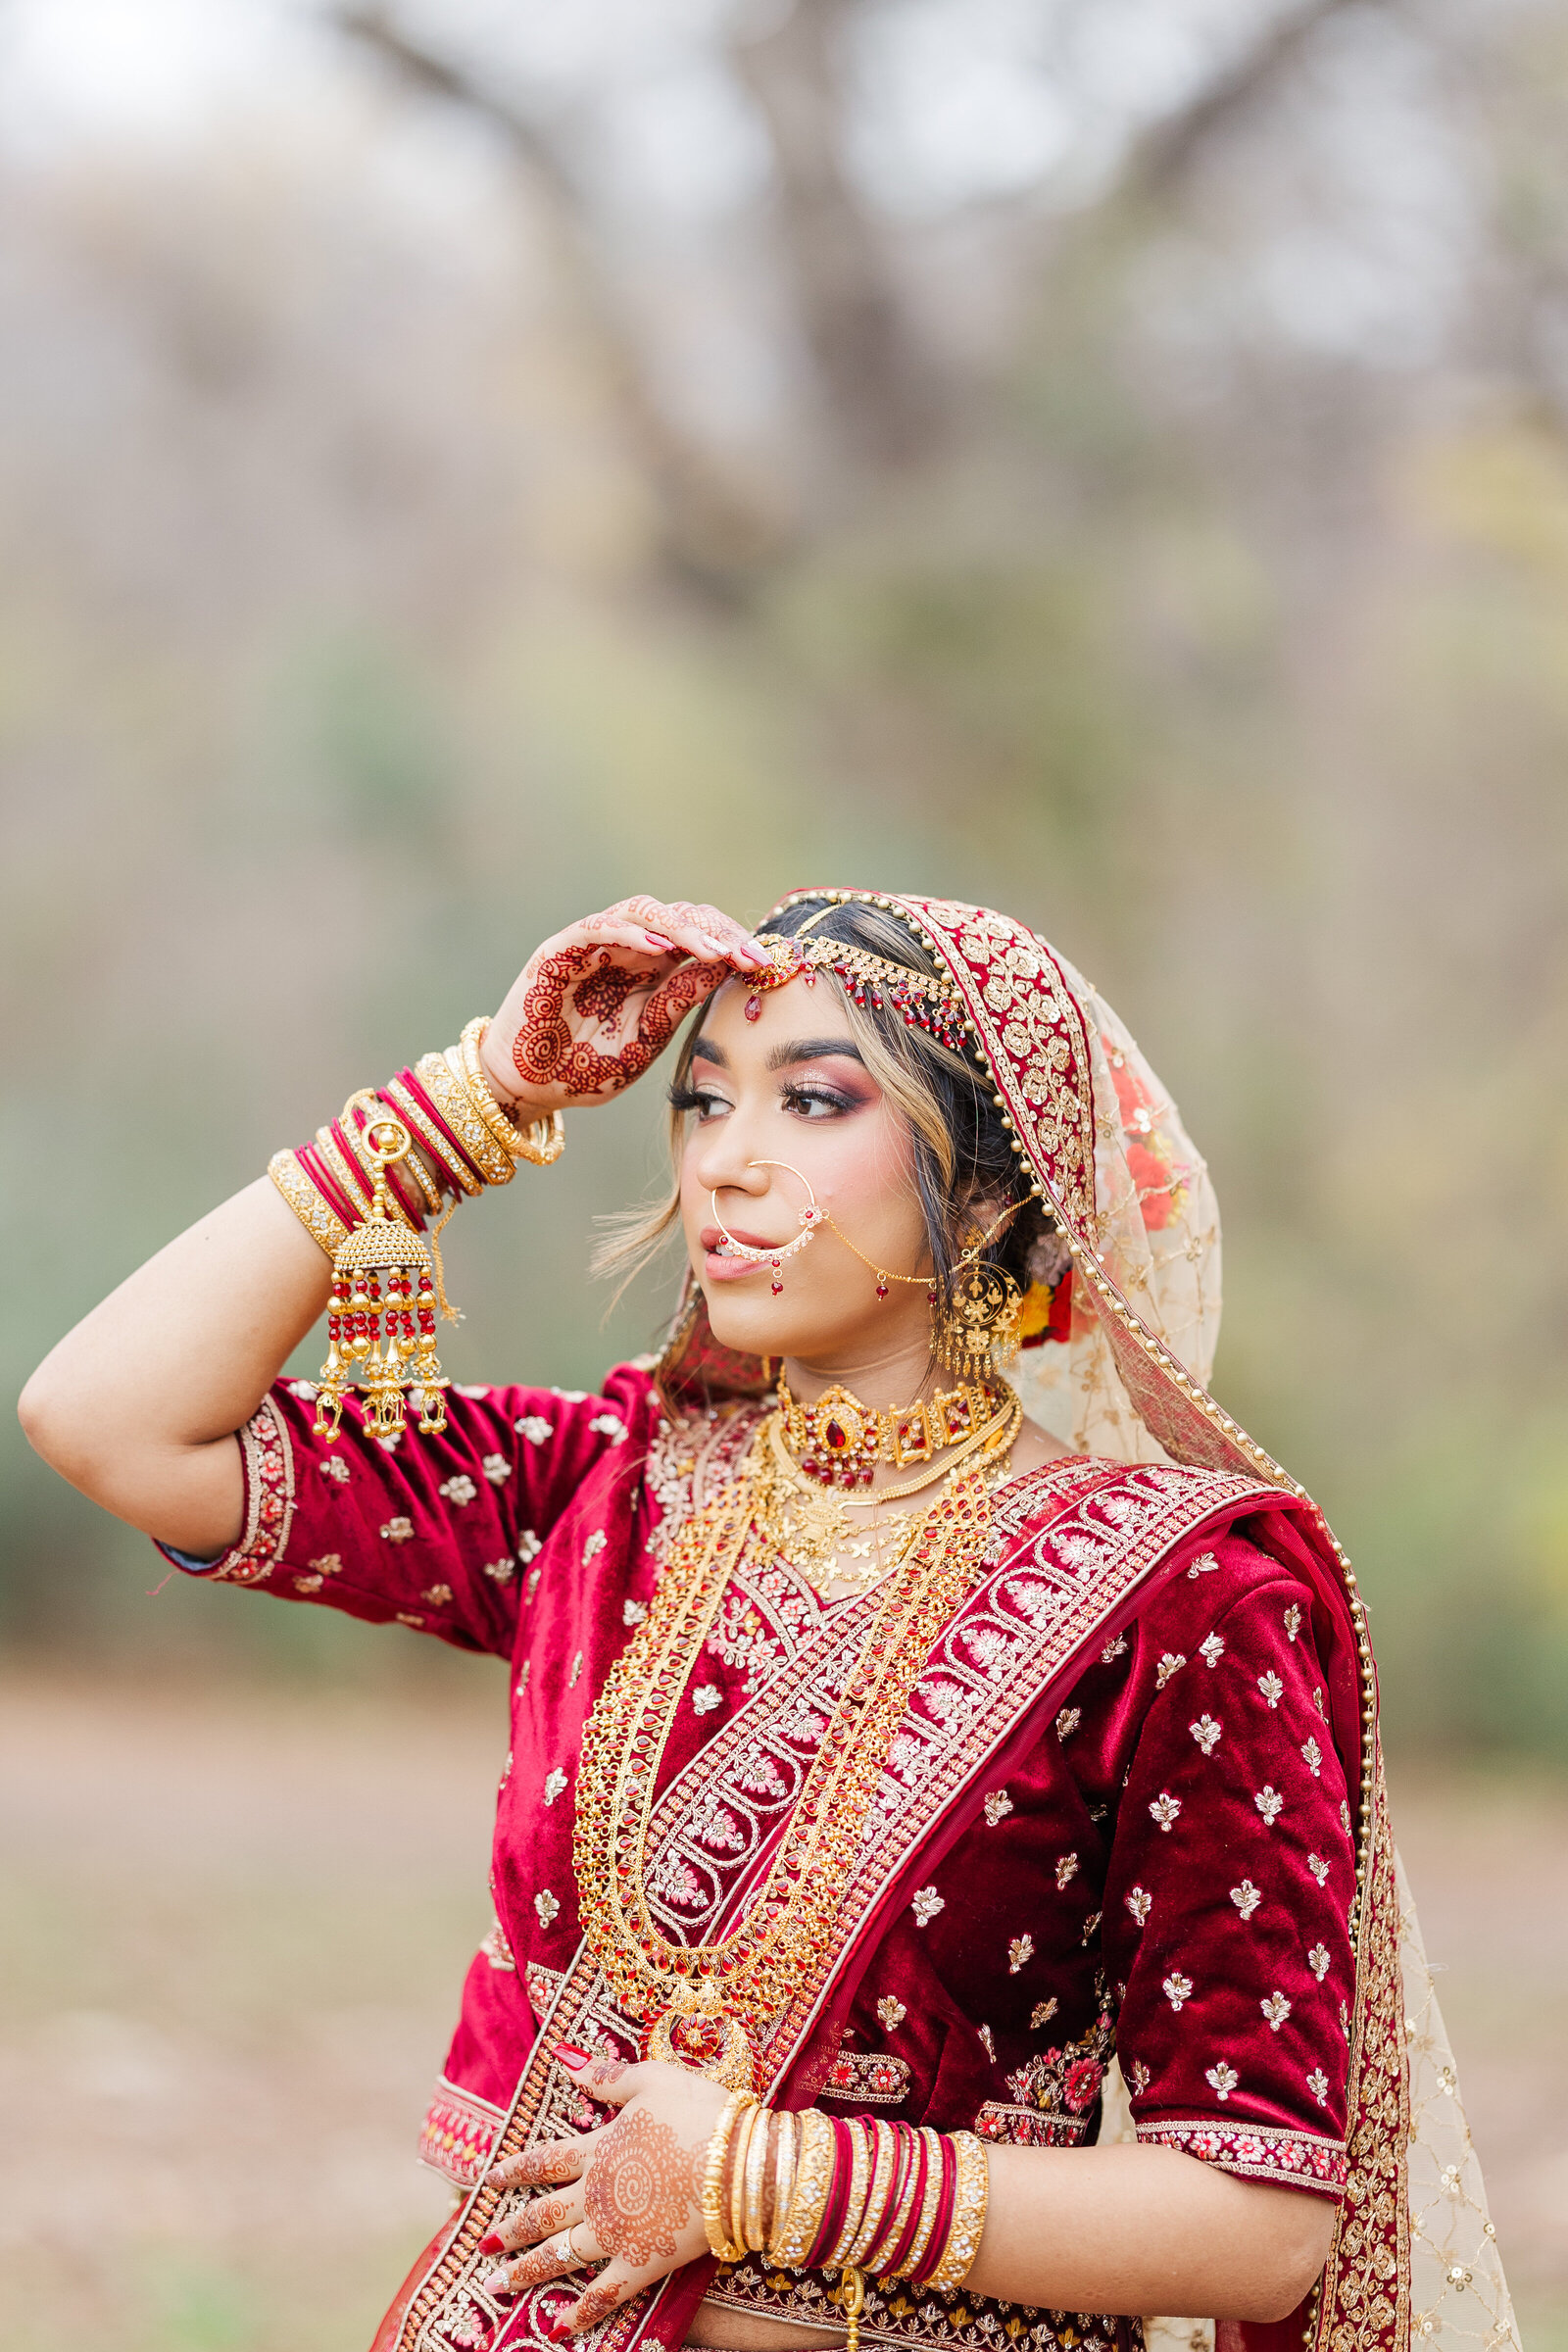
462,1142
810,2192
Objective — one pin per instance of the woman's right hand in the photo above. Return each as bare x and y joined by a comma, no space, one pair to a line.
599,1001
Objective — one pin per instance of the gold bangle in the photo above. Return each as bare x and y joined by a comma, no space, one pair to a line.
331,1151
928,2205
885,2150
463,1180
759,2148
714,2179
740,2148
786,2142
968,2215
542,1140
901,2219
448,1090
322,1223
859,2174
795,2233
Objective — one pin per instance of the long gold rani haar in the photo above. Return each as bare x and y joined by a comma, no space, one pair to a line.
709,2005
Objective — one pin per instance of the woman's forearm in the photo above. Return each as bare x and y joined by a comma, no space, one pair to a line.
1142,2230
138,1404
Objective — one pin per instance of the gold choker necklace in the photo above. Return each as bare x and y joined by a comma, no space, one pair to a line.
839,1441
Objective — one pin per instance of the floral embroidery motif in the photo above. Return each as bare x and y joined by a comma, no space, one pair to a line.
1177,1989
998,1804
1246,1898
534,1574
987,2042
1205,1565
1206,1731
496,1468
869,2078
397,1531
535,1427
1020,1949
547,1905
1263,2152
1317,2082
1221,2078
1171,1663
1069,1721
632,1612
438,1596
1269,1803
1317,1960
459,1488
1319,1867
1091,1928
1272,1688
457,2134
523,1672
1165,1809
705,1698
1292,1621
501,1571
529,1546
1212,1649
577,1670
1042,2012
1066,1870
1114,1649
890,2013
554,1782
307,1583
417,1623
1344,1817
496,1950
927,1904
1066,2082
611,1426
337,1469
1276,2009
594,1545
1140,1903
1139,2077
328,1563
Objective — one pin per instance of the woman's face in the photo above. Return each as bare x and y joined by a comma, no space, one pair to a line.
791,1086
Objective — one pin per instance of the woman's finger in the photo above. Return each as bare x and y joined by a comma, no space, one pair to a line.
615,2282
541,2218
553,2160
565,2250
609,2080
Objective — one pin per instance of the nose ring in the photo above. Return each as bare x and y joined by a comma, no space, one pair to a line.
810,1217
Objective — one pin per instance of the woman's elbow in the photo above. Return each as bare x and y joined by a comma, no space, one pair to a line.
1293,2256
47,1419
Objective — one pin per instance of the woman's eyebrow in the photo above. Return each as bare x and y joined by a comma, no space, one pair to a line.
813,1048
704,1049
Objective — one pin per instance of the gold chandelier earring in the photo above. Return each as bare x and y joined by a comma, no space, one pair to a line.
977,1331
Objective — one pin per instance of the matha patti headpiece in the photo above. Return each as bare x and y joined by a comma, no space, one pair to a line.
921,999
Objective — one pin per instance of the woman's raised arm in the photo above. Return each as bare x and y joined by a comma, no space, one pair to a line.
138,1404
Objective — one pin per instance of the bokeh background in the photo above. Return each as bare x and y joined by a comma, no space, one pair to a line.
460,463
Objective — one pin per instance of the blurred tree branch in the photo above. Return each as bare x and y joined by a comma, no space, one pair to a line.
1163,156
711,537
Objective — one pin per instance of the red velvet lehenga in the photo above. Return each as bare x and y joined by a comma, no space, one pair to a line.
1131,1830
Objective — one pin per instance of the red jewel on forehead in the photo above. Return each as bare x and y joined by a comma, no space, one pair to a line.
753,1008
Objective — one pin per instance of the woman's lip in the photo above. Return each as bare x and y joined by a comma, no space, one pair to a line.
713,1239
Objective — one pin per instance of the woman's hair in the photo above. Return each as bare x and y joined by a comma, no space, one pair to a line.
964,1163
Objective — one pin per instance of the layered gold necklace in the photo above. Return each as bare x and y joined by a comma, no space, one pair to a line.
707,2005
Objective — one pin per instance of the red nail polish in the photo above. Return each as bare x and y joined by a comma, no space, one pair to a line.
491,2245
570,2056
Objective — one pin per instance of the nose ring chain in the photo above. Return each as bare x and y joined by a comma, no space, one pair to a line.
810,1218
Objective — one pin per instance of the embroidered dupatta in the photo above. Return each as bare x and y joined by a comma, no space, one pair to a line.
1132,1204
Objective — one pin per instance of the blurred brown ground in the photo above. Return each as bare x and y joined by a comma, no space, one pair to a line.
236,1923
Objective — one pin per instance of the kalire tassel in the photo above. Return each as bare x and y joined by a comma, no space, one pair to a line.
382,1280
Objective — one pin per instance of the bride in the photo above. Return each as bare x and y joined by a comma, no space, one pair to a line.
943,1884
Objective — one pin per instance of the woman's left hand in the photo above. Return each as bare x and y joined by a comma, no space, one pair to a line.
631,2190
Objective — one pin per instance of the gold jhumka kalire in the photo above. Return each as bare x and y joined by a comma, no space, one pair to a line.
382,1279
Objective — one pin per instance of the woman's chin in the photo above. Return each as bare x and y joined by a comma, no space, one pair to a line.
757,1326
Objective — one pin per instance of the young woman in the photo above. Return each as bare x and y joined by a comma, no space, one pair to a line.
904,1761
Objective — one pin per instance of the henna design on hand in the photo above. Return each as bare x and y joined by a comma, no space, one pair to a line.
598,2304
539,2166
544,1050
537,2269
535,2222
638,2194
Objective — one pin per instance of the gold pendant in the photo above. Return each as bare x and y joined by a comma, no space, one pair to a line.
696,2032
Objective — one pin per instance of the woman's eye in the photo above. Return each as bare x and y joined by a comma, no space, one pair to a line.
698,1098
814,1101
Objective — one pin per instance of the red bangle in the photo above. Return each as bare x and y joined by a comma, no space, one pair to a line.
902,2251
459,1157
838,2197
402,1185
903,2161
941,2227
346,1211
